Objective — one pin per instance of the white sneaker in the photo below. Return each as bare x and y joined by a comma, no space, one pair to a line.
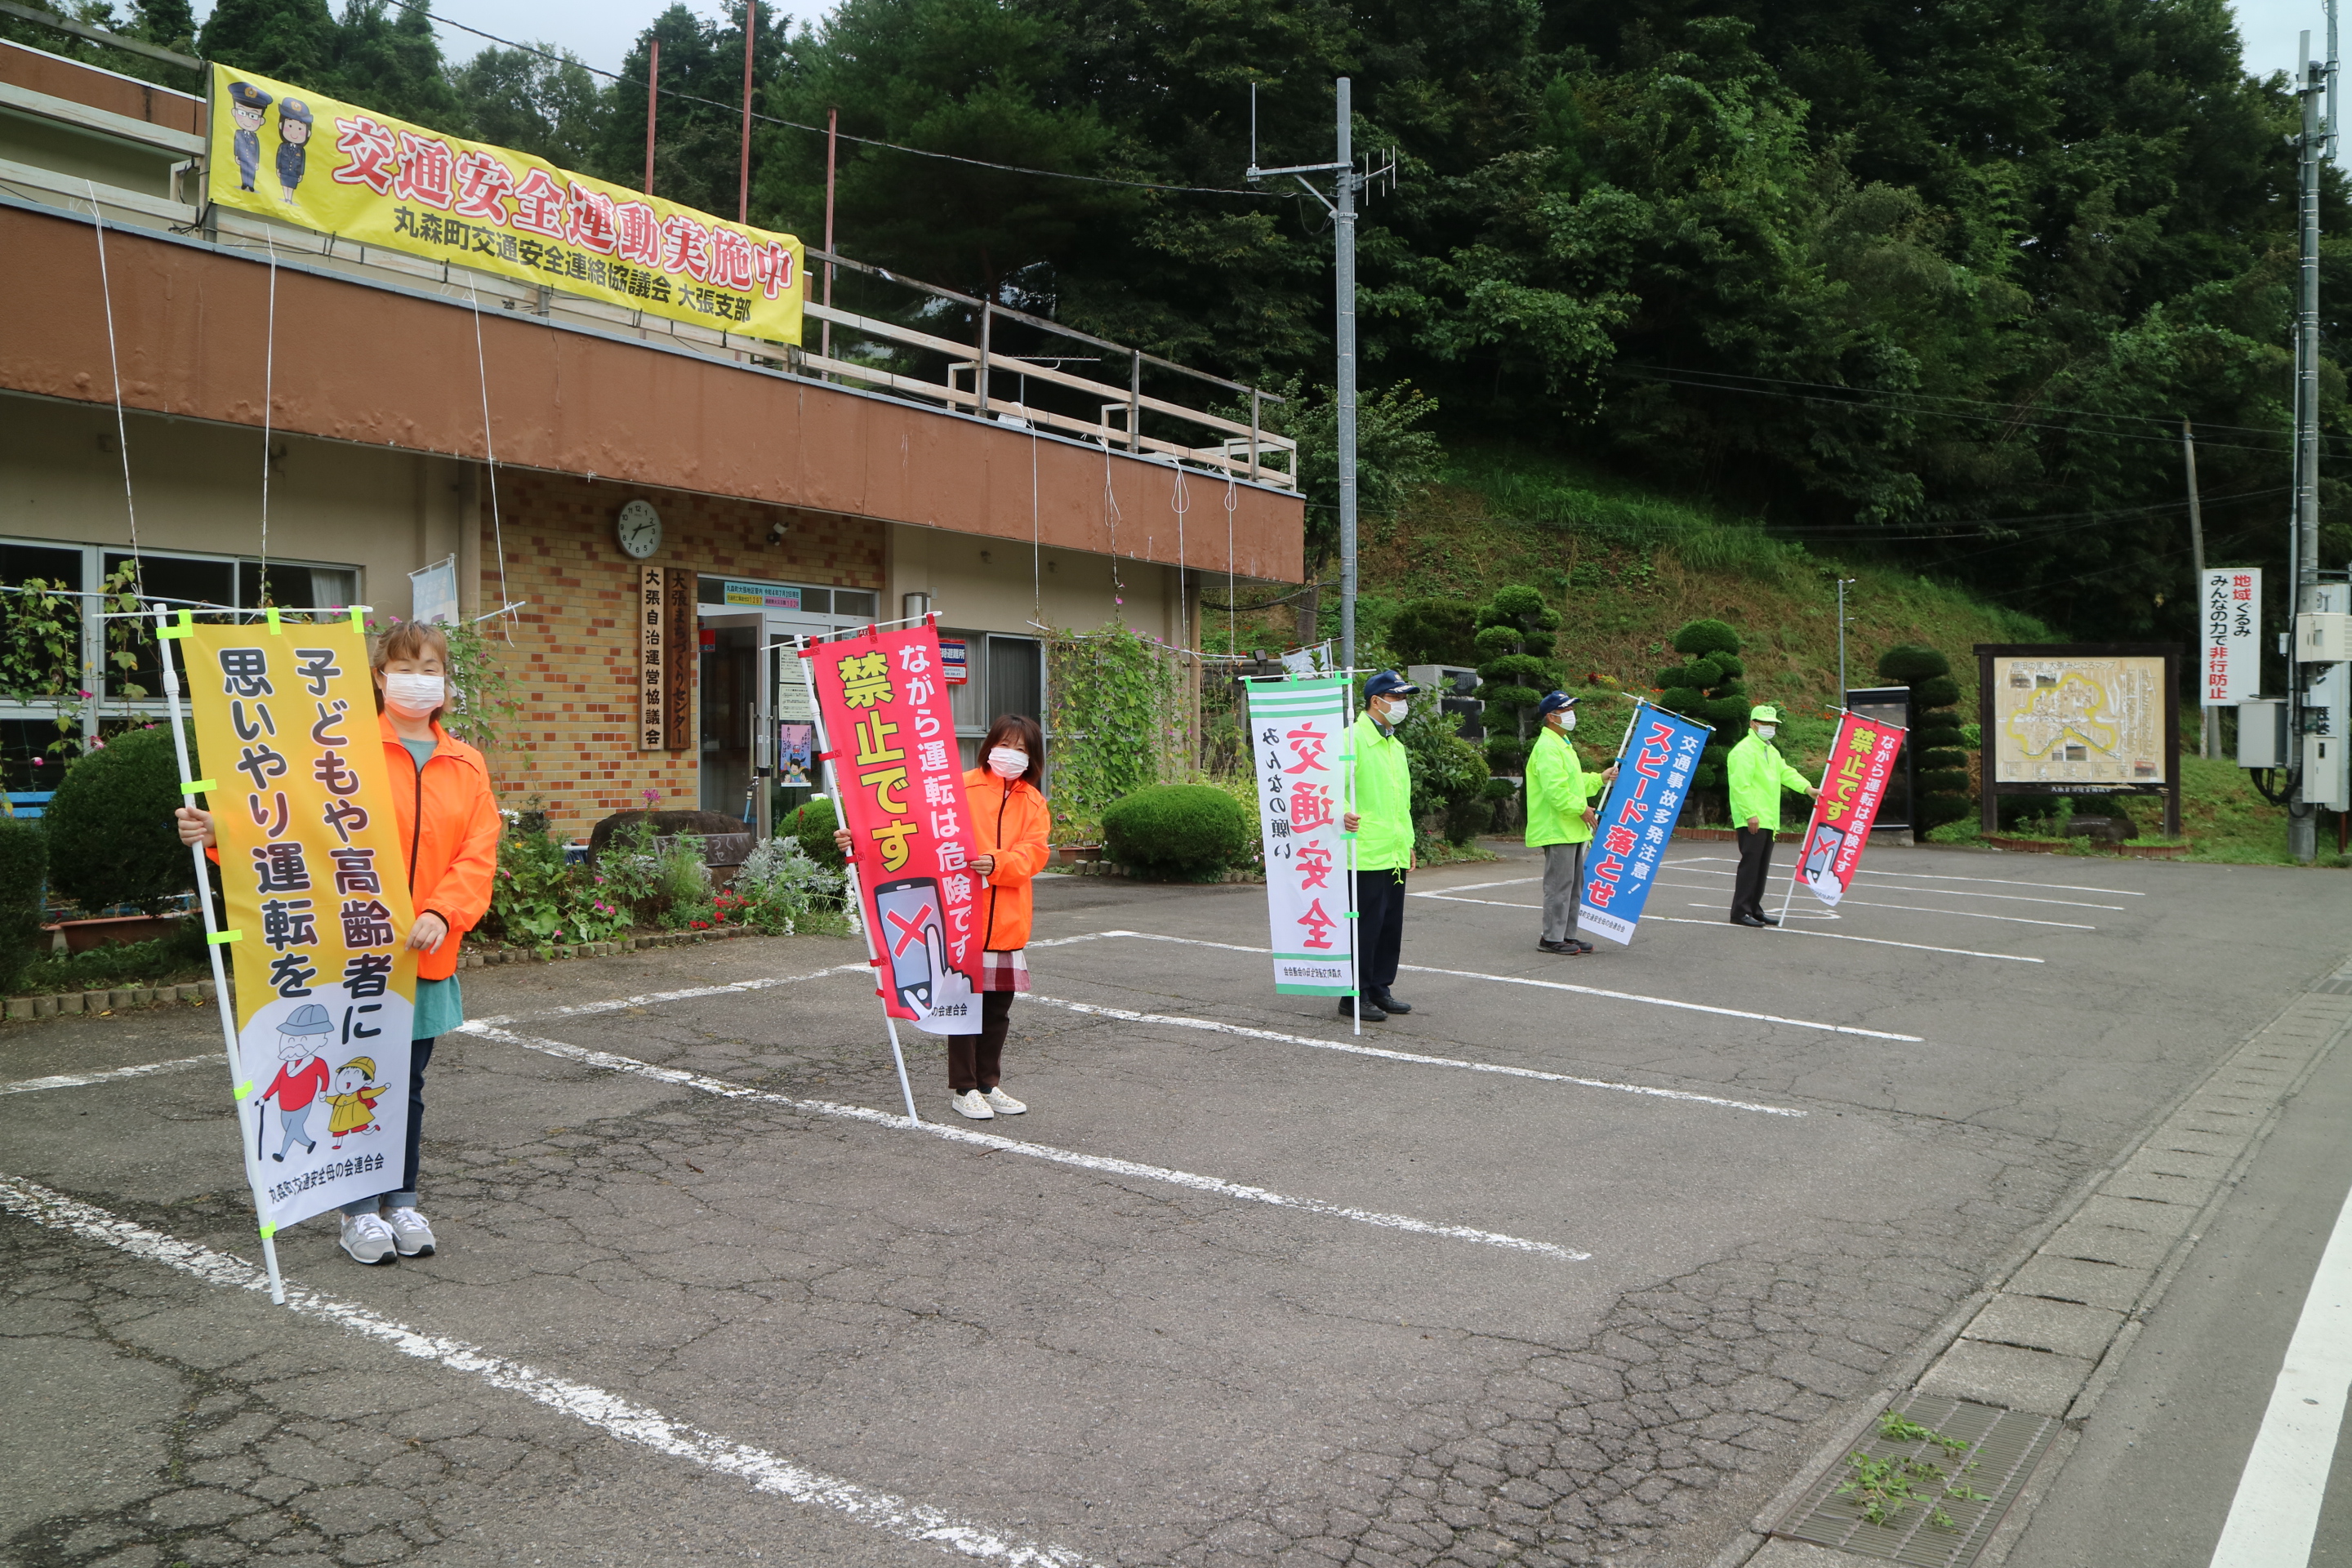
969,1103
1002,1103
410,1233
368,1240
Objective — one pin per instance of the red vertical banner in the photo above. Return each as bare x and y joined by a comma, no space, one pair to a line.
899,785
1861,762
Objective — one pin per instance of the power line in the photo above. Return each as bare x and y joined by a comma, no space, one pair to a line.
820,130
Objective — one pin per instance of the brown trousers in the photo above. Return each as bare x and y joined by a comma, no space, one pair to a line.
974,1060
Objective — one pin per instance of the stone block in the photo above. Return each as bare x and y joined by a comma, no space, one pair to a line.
2073,1279
2038,1382
20,1007
71,1001
2153,1216
2034,1323
2108,1244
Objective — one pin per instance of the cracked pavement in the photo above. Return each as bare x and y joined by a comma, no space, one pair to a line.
1134,1370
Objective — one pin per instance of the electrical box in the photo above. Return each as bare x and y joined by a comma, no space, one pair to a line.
1452,684
2323,636
2262,732
2326,779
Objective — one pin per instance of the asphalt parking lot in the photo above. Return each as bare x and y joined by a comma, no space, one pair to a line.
1578,1262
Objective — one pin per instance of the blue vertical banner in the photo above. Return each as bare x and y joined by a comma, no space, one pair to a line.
1637,819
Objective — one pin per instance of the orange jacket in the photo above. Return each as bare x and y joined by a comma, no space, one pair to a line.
448,834
1011,822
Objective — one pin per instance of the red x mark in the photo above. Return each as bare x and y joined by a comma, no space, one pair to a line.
911,932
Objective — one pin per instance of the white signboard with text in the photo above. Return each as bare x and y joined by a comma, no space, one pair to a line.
2230,617
1299,736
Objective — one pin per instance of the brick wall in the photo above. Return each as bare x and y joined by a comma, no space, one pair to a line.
573,746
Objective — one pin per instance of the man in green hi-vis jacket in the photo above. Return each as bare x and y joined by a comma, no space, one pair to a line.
1382,823
1559,819
1758,776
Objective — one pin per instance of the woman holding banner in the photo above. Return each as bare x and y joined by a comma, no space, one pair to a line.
1010,823
449,820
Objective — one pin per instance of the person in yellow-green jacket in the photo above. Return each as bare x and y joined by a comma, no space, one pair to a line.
1560,815
1382,823
1757,776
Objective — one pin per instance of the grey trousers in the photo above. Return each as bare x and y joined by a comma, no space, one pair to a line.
1563,872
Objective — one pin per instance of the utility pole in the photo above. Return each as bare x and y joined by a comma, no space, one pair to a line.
1843,583
653,101
743,172
831,145
2197,561
1346,180
2313,82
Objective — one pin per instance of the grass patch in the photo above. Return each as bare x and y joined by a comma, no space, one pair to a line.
174,960
2224,821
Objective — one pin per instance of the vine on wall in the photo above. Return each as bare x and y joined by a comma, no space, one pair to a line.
1119,718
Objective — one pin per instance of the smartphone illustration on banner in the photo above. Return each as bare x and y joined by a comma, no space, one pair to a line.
909,910
1823,855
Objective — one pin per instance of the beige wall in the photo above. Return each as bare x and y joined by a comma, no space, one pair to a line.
986,584
198,487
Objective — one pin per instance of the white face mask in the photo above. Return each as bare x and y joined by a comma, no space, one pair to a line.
1767,730
414,695
1007,762
1393,710
1567,719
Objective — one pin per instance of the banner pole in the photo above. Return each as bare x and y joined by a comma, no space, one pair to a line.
874,960
248,1128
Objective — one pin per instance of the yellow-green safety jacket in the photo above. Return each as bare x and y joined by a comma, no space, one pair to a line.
1757,776
1558,791
1383,787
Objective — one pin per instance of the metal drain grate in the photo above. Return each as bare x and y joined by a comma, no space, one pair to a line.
2005,1445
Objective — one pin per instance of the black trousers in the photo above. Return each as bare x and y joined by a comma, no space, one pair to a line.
420,1057
975,1062
1754,866
1380,927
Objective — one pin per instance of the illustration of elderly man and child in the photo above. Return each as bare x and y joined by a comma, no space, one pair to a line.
249,107
303,1079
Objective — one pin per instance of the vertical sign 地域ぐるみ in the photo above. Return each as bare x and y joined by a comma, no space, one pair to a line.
1861,763
899,780
338,169
313,875
2229,629
652,658
1637,819
1299,730
682,658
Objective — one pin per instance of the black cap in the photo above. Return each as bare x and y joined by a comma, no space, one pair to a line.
1389,683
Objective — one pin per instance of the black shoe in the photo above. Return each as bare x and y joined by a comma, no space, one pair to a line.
1756,920
1371,1014
1388,1002
1769,920
1564,947
1580,946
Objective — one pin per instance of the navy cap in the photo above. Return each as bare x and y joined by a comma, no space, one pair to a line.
247,96
1553,702
294,109
1389,683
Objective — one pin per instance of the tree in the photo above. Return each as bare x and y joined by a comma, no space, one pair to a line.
551,108
110,835
1707,686
1435,631
1939,762
293,40
1394,454
698,148
1514,641
388,58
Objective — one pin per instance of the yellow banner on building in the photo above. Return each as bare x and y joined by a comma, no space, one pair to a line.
317,895
379,180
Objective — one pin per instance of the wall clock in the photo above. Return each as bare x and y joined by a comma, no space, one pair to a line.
639,529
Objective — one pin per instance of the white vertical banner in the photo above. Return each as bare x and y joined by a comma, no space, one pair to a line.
2229,625
1298,732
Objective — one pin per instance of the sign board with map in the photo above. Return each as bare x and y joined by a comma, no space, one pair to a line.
2080,719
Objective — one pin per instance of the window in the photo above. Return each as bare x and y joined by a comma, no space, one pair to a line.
1007,676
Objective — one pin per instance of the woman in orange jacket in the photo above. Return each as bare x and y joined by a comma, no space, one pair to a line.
449,824
1009,824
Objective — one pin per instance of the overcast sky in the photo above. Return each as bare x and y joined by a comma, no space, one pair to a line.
601,31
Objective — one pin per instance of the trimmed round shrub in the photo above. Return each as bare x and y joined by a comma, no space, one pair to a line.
812,824
112,840
1177,831
24,863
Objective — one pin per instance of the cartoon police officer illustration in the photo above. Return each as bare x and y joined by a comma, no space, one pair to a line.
248,105
293,142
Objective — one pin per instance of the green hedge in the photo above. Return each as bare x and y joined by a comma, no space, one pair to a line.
1177,831
813,825
112,838
24,864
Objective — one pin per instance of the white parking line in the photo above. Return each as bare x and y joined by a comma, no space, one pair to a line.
2275,1512
1506,882
618,1004
1833,936
1850,902
76,1080
1780,883
1222,1028
1549,985
1109,1166
608,1413
1934,877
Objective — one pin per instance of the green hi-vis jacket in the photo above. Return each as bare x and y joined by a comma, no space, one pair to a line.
1558,791
1757,776
1383,784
